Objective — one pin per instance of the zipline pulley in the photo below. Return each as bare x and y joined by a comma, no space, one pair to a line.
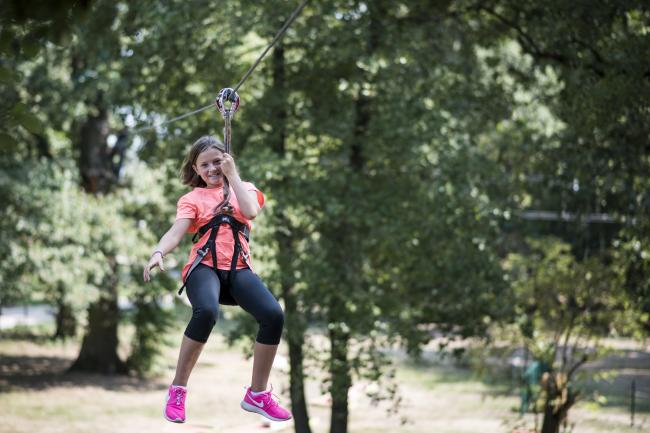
227,103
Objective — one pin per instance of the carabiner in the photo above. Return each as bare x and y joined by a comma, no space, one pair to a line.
227,94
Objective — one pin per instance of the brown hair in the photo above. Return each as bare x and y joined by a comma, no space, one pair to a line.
190,177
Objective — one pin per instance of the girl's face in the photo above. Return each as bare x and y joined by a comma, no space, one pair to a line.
208,166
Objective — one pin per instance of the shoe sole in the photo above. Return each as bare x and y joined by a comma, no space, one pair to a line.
251,408
177,420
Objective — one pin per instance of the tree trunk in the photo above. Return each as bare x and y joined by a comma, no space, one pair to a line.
341,379
98,351
66,322
294,323
555,416
552,421
42,147
295,326
295,333
348,231
95,157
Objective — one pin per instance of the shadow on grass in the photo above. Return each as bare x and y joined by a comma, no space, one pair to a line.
44,368
43,372
35,334
450,374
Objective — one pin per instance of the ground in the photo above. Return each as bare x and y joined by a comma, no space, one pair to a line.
37,396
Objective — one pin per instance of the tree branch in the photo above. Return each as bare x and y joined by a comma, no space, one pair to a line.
566,341
576,366
529,45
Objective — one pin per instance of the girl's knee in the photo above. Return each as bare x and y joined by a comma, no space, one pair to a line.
271,325
206,316
275,318
202,322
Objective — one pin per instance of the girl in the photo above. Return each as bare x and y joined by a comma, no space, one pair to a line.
219,272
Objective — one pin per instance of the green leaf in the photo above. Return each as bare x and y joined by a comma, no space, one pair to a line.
7,142
30,122
31,49
8,76
6,38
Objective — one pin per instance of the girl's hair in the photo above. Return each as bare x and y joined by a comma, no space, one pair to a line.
188,175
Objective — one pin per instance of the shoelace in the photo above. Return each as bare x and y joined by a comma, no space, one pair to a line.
179,396
267,397
270,401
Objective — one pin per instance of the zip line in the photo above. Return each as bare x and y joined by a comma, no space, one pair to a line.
248,73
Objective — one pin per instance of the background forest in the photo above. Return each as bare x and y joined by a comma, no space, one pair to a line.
467,175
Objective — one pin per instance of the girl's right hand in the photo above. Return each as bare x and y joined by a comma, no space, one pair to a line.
155,260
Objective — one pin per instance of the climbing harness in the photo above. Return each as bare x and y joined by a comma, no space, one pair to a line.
237,228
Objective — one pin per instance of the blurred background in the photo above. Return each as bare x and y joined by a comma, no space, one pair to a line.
456,220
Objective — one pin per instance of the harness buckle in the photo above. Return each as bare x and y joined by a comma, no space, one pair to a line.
246,257
224,219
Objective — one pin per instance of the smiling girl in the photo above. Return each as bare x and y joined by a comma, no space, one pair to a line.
219,272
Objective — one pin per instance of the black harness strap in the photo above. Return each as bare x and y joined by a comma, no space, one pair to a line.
217,221
210,246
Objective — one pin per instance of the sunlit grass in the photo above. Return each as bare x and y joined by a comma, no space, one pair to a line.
437,396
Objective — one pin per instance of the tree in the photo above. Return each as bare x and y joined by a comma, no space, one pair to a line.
56,81
565,307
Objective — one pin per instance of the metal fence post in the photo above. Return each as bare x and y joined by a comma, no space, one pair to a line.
632,401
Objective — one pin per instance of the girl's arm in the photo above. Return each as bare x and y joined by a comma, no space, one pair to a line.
167,243
247,199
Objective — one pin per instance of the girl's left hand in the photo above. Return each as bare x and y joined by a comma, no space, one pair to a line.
156,259
228,167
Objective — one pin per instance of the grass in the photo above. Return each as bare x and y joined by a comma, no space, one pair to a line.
37,395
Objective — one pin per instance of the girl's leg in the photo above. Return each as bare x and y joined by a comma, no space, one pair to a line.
263,357
253,296
189,354
203,292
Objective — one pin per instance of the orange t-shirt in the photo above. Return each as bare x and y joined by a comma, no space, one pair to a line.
198,205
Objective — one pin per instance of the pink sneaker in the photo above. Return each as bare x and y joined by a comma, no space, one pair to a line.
265,405
175,407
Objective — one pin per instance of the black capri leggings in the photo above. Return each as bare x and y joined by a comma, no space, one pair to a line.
203,289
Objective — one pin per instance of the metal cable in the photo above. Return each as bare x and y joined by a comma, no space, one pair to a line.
182,116
275,39
278,35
